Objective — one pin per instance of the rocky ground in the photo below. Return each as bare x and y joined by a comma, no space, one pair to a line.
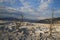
13,32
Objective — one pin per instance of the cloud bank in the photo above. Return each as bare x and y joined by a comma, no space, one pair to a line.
39,10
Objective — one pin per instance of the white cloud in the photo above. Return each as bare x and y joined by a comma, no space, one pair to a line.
1,0
12,2
42,1
26,5
10,9
41,10
23,9
44,5
4,0
8,1
26,8
57,11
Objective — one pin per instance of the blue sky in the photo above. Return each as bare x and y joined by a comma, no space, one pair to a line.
33,9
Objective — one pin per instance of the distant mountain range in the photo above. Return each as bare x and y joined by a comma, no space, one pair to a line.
16,19
49,20
29,20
